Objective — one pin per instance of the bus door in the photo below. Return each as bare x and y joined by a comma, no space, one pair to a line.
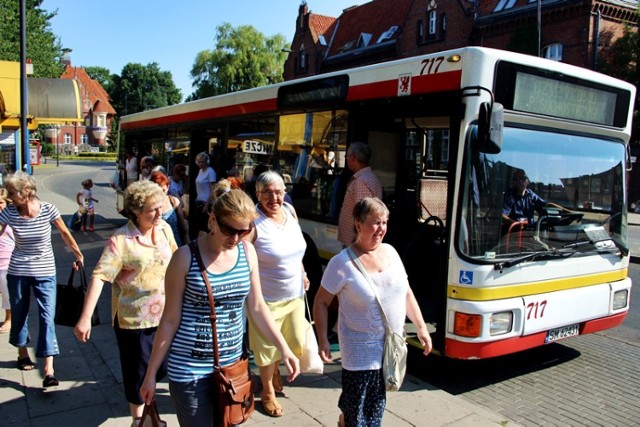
425,254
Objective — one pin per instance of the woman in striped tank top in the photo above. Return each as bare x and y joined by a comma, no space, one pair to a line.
185,330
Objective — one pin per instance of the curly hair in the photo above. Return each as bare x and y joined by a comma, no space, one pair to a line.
23,183
138,194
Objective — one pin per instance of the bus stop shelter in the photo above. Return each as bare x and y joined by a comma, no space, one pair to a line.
49,102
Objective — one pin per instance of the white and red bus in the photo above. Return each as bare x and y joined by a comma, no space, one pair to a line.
448,131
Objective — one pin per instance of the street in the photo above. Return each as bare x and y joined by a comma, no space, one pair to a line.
586,380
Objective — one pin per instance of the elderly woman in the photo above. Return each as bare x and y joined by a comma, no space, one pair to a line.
172,211
360,325
283,282
231,266
134,261
32,267
205,184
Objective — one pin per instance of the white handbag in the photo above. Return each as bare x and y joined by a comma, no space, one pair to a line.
310,361
394,360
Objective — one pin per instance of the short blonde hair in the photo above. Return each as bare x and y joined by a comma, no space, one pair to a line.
369,206
23,183
138,194
235,204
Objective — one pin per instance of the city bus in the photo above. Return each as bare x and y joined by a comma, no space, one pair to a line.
448,131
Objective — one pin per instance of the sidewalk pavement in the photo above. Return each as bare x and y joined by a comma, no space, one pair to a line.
90,391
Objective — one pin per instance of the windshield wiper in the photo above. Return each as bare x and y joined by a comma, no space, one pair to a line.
553,253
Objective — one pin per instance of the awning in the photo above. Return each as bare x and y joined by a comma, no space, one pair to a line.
50,101
54,101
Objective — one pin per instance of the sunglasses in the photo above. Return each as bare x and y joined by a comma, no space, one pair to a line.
230,231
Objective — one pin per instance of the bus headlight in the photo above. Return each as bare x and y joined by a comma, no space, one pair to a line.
501,323
620,299
467,325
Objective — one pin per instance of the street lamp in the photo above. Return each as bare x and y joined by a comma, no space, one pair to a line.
52,133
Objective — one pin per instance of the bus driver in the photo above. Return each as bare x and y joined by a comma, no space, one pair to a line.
520,203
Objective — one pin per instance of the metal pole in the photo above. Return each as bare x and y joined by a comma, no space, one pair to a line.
23,152
539,28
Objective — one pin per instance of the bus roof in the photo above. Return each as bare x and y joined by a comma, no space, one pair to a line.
437,72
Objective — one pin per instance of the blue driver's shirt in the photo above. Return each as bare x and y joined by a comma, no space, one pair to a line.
518,207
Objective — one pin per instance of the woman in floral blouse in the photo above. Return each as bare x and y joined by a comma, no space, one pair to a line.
134,261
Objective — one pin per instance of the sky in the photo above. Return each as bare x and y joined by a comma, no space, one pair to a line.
114,33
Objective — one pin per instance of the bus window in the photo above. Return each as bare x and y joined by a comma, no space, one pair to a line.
585,185
251,143
311,152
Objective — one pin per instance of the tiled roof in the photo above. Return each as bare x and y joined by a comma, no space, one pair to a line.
321,25
373,18
89,88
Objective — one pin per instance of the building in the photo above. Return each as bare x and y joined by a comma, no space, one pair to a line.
577,32
97,114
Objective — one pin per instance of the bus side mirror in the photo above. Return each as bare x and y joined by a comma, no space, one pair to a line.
490,125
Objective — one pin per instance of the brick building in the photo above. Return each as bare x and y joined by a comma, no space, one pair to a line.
577,32
97,113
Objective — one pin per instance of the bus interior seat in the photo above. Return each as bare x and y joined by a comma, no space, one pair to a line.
433,198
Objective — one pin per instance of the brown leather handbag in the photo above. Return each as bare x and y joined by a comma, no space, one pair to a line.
235,384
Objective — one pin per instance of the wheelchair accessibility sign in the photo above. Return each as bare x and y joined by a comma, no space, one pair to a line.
466,277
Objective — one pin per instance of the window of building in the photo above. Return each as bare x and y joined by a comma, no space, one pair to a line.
84,138
67,138
364,40
553,51
443,24
433,22
387,34
504,4
419,31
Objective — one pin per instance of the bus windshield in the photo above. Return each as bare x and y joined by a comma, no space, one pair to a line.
543,192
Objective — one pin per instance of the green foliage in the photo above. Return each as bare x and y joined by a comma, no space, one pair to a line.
46,149
143,87
43,47
102,75
242,59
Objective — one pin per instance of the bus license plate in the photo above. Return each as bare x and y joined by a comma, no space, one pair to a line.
563,332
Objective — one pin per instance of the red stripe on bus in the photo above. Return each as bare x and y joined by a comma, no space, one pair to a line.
427,83
484,350
263,106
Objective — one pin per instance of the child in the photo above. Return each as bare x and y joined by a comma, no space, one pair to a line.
7,242
86,204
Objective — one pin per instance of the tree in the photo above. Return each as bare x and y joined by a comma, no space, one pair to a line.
143,87
243,58
43,47
103,76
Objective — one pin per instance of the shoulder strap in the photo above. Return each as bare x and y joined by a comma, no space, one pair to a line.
292,211
362,270
193,245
